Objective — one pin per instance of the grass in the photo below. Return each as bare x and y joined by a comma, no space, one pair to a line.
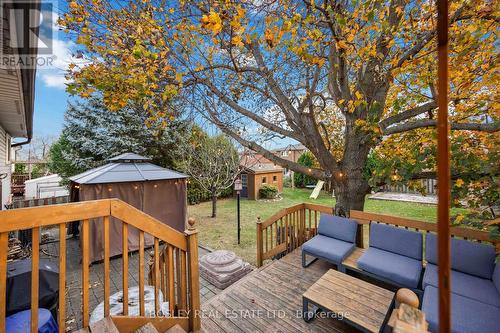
220,232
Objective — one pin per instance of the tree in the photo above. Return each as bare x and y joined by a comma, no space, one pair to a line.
300,179
92,134
213,163
344,78
59,161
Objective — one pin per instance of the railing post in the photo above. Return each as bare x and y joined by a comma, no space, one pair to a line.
194,279
260,245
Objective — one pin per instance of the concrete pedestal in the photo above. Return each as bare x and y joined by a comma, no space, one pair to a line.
222,268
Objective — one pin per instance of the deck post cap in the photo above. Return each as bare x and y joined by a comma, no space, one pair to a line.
406,296
191,222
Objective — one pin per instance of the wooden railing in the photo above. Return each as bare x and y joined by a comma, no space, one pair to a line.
289,228
184,301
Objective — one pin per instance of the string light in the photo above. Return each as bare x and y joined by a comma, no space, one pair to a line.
341,174
110,189
77,186
309,170
155,185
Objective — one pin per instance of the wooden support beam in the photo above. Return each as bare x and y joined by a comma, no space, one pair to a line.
443,170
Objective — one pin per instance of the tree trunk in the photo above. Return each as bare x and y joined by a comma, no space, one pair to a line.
214,204
350,191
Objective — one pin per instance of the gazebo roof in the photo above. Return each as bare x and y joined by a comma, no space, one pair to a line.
128,167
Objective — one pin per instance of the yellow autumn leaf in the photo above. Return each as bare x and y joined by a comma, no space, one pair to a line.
178,77
341,44
212,22
237,40
459,182
459,218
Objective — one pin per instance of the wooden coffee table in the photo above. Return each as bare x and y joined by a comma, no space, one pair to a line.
361,304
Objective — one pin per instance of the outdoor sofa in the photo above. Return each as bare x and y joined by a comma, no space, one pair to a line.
394,256
334,242
475,287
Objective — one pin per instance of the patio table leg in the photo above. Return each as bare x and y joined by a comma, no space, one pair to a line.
305,310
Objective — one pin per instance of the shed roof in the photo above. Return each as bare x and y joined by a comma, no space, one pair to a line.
263,168
128,167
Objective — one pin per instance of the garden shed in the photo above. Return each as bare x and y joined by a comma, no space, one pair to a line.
131,178
254,176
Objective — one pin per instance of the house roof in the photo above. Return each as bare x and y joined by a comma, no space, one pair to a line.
124,168
297,146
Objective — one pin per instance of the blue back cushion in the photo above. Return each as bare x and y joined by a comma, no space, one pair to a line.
337,227
467,257
396,240
496,276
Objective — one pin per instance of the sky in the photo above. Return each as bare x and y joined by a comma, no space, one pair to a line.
50,89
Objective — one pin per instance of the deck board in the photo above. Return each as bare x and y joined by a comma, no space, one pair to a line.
269,300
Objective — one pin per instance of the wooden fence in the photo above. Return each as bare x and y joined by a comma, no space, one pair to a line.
289,228
184,301
25,203
429,185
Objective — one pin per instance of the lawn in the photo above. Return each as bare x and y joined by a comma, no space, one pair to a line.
220,232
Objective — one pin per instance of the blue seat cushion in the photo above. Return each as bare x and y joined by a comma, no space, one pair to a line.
402,270
20,322
467,257
396,240
337,227
467,285
328,248
467,315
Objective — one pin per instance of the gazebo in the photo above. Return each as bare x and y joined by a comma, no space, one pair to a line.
130,177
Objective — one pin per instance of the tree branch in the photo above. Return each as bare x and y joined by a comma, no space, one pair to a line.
492,127
410,113
427,37
247,113
313,172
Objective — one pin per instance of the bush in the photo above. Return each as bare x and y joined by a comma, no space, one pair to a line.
301,180
287,181
268,192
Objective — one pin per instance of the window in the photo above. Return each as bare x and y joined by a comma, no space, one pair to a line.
275,179
284,153
264,180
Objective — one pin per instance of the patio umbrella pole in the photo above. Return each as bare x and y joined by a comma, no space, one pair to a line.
443,170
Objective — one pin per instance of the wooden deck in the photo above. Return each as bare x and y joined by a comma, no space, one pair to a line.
269,300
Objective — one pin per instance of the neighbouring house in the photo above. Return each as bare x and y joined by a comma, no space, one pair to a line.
17,86
256,175
290,153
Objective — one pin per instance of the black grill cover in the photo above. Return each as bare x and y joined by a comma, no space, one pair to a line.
19,285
